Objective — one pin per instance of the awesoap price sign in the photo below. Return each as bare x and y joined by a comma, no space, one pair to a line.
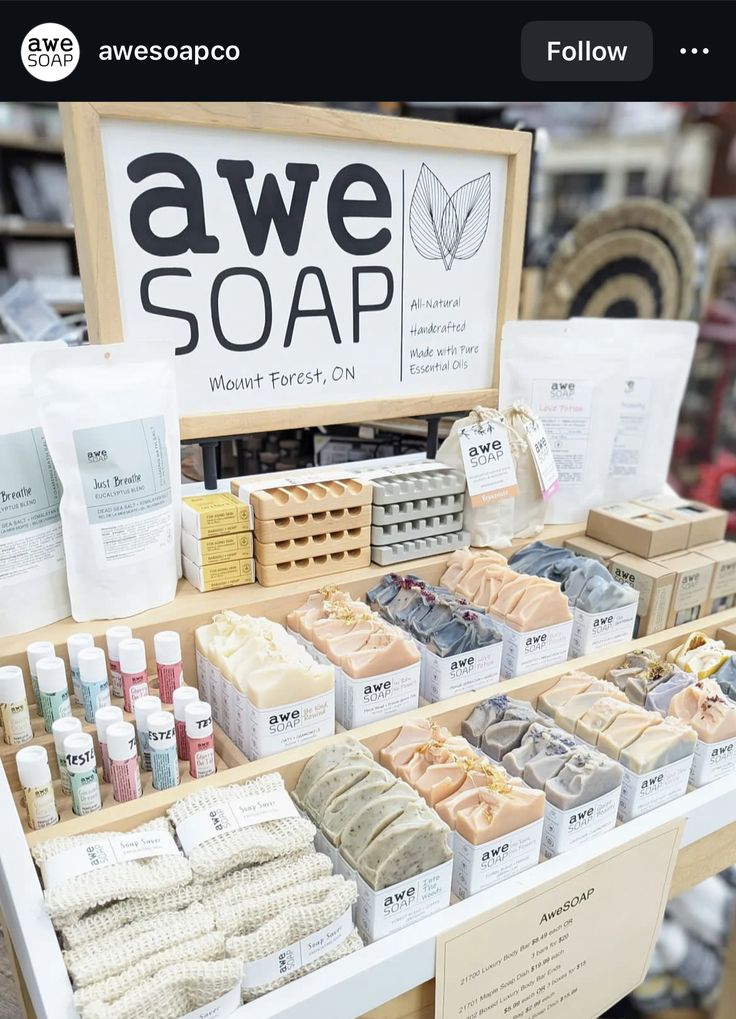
572,948
309,266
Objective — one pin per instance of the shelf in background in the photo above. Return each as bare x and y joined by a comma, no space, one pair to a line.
30,143
17,226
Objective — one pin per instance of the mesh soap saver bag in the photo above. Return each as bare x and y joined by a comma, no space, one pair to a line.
492,525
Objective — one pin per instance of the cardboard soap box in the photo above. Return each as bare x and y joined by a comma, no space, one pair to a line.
206,516
723,588
219,575
655,583
693,580
707,523
645,531
219,549
593,549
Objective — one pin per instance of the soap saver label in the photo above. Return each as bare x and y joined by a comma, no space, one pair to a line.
224,1006
207,824
490,472
277,965
106,851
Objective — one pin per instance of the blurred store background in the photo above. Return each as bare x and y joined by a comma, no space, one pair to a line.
632,213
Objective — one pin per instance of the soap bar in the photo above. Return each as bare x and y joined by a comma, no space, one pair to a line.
567,714
502,736
700,655
461,562
542,753
659,745
409,738
415,842
598,717
490,711
491,811
726,677
324,761
352,769
705,708
343,809
625,729
585,582
438,770
659,697
567,686
372,819
638,687
391,652
584,777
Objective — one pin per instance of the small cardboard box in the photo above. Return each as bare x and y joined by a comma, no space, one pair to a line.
219,575
646,531
655,583
707,523
205,516
693,579
220,549
593,549
723,588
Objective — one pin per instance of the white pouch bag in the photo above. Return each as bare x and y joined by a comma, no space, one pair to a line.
530,509
492,525
658,355
576,395
110,418
33,589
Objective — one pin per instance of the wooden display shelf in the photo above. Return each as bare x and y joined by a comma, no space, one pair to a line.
18,226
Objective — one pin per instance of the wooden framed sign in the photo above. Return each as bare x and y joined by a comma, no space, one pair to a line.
311,266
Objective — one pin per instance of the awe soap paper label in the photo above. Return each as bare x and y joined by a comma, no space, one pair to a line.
105,851
527,651
479,867
271,730
361,701
713,761
594,630
565,829
642,793
230,817
490,472
277,965
403,904
456,674
544,461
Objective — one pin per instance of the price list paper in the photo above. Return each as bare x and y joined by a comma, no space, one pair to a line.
573,947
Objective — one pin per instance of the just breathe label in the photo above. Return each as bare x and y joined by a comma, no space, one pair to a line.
124,470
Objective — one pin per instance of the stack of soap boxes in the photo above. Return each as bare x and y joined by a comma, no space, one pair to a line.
669,549
216,541
416,513
310,530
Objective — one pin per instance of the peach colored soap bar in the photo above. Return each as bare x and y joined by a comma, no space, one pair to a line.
626,728
391,651
543,604
439,770
659,745
461,562
409,738
472,579
567,714
704,707
598,717
483,810
567,686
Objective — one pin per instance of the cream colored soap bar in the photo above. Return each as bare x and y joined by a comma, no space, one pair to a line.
703,706
598,717
415,842
324,761
568,714
567,686
658,746
343,808
625,729
371,820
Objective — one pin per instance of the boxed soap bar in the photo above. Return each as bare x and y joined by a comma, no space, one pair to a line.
527,651
592,631
566,829
483,866
641,793
655,583
707,523
442,678
693,580
219,549
592,548
723,586
361,701
205,516
633,527
219,575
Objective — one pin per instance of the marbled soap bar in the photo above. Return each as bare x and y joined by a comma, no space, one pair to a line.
703,706
491,711
658,746
415,842
700,655
625,729
506,734
323,762
343,809
584,777
408,740
371,819
659,697
568,714
541,756
598,717
480,815
567,686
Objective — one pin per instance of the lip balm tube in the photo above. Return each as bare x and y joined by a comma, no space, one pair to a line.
93,681
200,738
62,728
104,718
113,637
124,771
81,764
16,719
35,778
167,646
183,696
162,744
133,670
53,689
35,652
76,643
144,707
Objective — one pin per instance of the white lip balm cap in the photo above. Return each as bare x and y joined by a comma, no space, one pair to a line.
76,643
162,722
198,711
12,687
51,674
182,697
38,650
92,665
144,707
113,637
167,646
64,727
33,767
120,736
80,743
132,656
104,718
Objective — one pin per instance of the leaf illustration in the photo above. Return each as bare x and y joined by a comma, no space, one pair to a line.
449,227
472,207
428,205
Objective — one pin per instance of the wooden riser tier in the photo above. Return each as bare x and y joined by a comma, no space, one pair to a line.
191,608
